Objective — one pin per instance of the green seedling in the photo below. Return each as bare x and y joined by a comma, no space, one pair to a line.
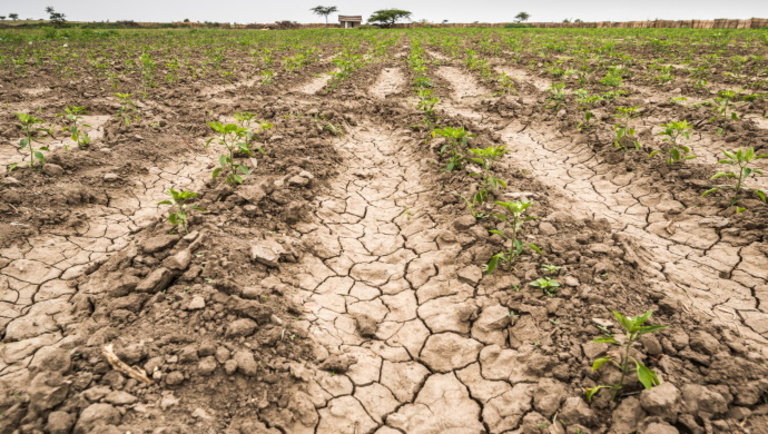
74,115
454,148
31,130
513,219
427,103
556,95
180,208
551,269
128,112
614,77
633,329
740,160
624,134
549,286
253,128
489,184
267,77
236,141
723,101
673,132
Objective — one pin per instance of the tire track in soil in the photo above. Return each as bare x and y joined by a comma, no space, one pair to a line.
398,317
686,250
388,83
315,85
38,280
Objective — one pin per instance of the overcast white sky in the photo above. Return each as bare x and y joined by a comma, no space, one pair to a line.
260,11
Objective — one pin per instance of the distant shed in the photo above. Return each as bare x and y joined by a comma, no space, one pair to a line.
350,21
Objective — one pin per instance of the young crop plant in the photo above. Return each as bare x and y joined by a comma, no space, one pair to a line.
549,286
633,328
148,67
74,116
489,183
454,148
346,64
723,102
427,103
673,132
513,218
180,208
624,134
740,160
31,130
613,78
556,95
128,112
236,140
253,127
267,77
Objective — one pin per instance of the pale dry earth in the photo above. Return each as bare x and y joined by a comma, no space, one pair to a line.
686,252
38,279
387,299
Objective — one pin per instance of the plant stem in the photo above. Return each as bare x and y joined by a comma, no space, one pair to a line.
624,363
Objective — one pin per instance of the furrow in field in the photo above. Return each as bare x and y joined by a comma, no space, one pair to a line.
690,251
38,280
390,81
393,309
314,85
707,147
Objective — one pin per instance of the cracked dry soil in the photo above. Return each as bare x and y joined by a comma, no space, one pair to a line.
389,303
341,291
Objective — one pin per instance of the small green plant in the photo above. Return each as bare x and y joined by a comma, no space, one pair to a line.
556,95
723,102
74,115
267,77
633,328
489,183
454,148
235,139
614,77
740,160
180,208
30,129
513,219
148,67
673,132
551,269
128,112
624,134
549,286
427,103
253,128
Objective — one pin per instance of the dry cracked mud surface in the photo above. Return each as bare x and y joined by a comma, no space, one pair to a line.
38,279
710,269
394,312
342,290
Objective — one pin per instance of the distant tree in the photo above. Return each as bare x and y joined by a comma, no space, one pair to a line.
566,20
186,20
56,18
2,17
324,11
14,17
388,17
578,20
522,17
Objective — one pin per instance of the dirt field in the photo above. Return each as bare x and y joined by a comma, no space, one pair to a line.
357,265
